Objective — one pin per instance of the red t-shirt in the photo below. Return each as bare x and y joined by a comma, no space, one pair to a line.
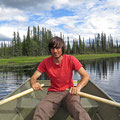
60,75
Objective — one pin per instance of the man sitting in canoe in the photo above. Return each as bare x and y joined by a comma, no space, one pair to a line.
59,69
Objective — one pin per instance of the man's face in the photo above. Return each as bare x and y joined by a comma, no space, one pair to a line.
56,52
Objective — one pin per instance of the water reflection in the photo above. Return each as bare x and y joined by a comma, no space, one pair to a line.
12,77
102,66
103,72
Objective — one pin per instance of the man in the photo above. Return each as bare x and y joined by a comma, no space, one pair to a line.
59,69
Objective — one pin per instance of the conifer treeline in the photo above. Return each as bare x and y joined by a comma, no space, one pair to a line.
35,43
100,44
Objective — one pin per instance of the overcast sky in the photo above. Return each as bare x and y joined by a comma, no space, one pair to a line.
71,17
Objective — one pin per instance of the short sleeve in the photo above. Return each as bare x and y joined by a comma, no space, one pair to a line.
76,64
41,67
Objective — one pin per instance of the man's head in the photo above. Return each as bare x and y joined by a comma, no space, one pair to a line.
56,43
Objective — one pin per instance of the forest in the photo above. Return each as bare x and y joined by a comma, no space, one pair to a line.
35,43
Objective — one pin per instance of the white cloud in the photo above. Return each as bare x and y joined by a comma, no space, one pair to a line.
12,14
90,17
52,22
96,19
113,3
6,31
104,21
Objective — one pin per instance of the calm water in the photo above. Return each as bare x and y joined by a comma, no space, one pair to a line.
105,73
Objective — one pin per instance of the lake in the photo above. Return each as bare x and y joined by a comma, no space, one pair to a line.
105,73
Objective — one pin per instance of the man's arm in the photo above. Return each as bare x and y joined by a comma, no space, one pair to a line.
33,81
84,80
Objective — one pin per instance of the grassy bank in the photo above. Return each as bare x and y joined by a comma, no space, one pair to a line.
96,56
30,60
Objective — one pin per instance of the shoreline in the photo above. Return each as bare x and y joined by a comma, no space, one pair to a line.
29,60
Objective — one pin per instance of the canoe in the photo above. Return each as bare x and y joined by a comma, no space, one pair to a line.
23,108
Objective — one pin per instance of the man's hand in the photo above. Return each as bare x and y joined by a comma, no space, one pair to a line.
37,86
74,90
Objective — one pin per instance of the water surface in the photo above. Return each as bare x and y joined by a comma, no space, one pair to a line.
105,73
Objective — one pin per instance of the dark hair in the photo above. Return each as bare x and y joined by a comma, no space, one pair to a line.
57,42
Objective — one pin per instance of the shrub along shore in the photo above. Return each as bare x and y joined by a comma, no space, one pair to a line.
23,60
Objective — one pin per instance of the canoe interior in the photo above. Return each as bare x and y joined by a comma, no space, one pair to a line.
24,107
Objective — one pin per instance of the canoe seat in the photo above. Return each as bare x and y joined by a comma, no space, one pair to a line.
90,106
30,104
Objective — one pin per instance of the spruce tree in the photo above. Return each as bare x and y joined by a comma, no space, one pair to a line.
14,44
68,49
80,45
28,44
18,46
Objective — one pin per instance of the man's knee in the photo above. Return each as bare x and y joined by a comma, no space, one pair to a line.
75,108
73,99
46,110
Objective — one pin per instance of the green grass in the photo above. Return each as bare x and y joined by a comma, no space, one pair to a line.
16,61
96,56
23,60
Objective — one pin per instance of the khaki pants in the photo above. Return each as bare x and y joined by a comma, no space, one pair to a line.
53,100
